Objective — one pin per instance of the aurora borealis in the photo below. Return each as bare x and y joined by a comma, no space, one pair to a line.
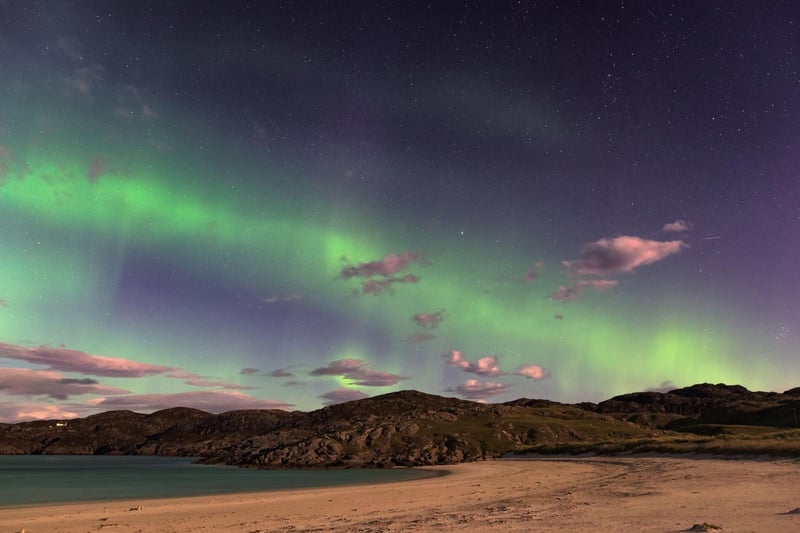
298,203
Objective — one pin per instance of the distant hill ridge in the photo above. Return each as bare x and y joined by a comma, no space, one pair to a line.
405,428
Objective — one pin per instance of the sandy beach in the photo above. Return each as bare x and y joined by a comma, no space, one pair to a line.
664,494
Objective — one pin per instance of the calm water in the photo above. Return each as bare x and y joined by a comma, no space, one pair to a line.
34,479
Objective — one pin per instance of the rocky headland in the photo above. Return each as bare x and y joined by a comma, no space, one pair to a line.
410,428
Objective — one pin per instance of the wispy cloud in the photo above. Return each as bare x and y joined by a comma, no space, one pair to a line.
429,320
379,276
385,267
24,381
665,386
247,371
278,298
607,257
420,337
195,380
472,389
97,167
679,226
356,370
563,294
84,79
281,373
533,273
558,317
24,411
342,395
67,360
211,401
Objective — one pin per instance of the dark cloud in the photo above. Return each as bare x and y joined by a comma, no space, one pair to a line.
379,276
281,373
248,371
74,381
385,267
24,381
211,401
558,317
357,371
429,320
342,395
621,254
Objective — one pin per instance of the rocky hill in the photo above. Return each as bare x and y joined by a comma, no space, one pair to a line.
406,428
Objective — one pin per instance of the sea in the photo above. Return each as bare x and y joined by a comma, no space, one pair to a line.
40,479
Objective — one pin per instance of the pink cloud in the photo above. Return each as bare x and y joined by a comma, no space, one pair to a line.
485,366
420,337
377,286
342,395
387,266
429,320
620,254
532,372
533,273
678,226
3,303
596,284
211,401
24,381
563,294
380,275
195,380
97,167
472,389
20,412
357,371
67,360
566,294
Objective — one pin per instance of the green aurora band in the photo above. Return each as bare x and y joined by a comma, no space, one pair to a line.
84,224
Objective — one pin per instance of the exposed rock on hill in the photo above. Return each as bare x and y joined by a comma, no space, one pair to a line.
407,428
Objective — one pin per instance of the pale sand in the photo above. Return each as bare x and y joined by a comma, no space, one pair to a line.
592,494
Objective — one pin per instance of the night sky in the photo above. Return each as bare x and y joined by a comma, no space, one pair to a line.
229,205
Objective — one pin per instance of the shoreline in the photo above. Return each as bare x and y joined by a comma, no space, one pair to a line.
516,494
426,474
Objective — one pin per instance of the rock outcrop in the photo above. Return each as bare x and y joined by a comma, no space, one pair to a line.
406,428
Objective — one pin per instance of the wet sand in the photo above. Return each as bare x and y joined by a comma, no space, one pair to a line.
666,494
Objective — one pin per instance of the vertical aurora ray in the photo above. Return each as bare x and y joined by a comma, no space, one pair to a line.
199,217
